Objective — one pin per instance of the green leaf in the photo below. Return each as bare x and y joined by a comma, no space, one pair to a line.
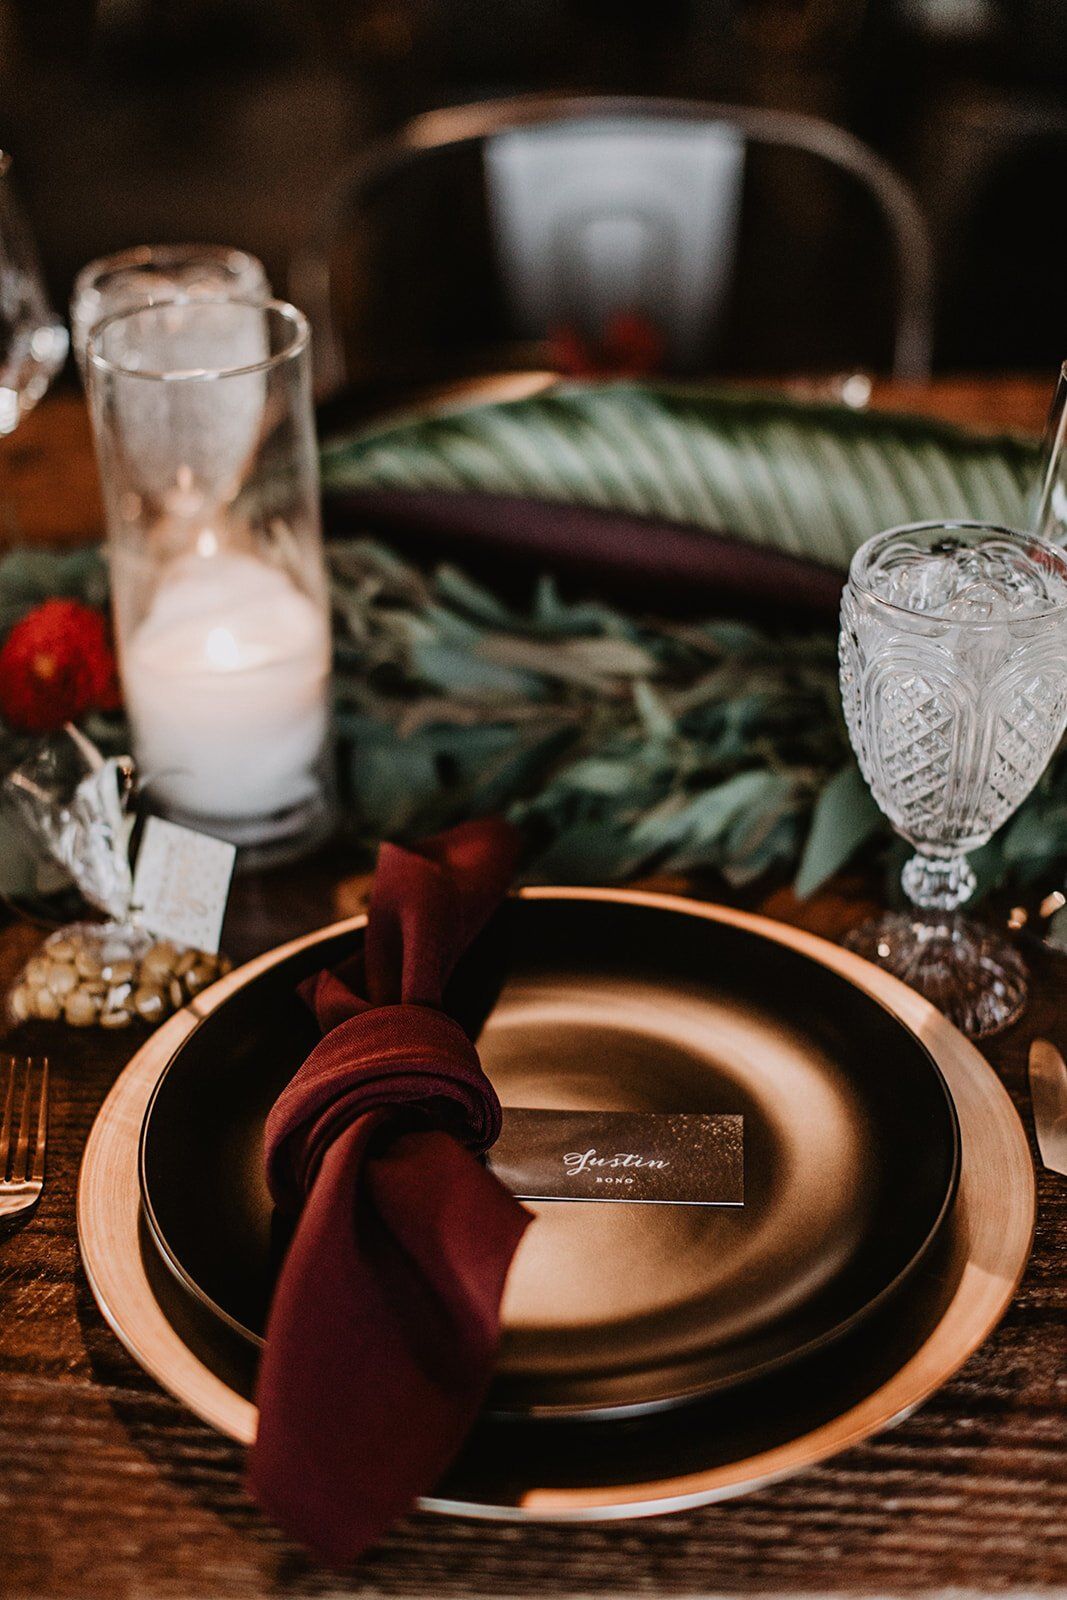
987,864
776,846
599,776
610,658
705,817
655,717
589,852
812,480
471,598
389,784
30,575
467,676
845,817
1036,836
580,661
551,615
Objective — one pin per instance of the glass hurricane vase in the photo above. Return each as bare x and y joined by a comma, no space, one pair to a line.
954,684
151,273
205,440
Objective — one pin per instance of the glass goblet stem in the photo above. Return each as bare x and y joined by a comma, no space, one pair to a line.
938,883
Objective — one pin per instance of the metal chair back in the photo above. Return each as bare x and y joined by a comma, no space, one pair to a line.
601,204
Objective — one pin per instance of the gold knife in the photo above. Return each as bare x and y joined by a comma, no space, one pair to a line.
1048,1093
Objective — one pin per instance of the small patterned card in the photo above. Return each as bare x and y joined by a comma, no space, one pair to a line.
641,1157
181,884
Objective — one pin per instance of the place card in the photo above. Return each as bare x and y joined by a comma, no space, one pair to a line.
639,1157
182,883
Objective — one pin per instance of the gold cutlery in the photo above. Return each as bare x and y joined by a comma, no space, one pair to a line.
23,1132
1048,1094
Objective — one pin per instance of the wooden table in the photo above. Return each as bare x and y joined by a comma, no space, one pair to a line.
107,1487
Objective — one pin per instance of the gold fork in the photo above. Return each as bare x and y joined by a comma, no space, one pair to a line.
22,1147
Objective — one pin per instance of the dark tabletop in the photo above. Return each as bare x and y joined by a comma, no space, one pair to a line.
109,1488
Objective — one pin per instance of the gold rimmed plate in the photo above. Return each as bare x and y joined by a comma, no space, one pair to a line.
582,1001
717,1448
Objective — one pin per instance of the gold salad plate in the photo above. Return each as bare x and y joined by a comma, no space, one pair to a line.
746,1344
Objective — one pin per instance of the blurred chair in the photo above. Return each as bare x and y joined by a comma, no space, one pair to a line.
996,159
722,229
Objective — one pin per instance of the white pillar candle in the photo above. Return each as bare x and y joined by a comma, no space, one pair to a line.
226,680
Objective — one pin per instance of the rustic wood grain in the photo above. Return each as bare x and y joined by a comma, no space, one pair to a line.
107,1488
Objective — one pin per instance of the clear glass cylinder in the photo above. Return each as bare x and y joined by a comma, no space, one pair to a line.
148,273
205,439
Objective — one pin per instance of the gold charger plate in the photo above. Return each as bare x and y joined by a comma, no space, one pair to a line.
590,1005
699,1455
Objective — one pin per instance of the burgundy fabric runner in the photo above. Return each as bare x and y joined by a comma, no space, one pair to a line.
647,562
385,1319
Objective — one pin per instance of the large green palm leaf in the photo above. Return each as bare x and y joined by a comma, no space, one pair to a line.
811,480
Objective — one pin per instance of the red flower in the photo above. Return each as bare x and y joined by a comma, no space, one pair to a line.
56,664
631,346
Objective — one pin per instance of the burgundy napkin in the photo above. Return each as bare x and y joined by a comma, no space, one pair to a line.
386,1315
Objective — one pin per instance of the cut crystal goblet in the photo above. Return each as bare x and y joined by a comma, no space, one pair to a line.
954,684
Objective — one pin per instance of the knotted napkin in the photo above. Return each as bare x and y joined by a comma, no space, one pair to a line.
386,1315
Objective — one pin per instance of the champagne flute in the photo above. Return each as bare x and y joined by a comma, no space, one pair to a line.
33,341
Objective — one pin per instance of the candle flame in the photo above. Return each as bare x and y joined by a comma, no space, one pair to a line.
221,648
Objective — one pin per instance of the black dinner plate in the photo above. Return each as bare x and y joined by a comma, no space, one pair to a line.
851,1147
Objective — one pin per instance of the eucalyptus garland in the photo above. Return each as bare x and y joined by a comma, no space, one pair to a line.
621,745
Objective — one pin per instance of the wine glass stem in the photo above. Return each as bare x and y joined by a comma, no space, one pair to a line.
938,883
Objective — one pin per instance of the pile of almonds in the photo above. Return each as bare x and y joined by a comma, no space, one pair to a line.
86,977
